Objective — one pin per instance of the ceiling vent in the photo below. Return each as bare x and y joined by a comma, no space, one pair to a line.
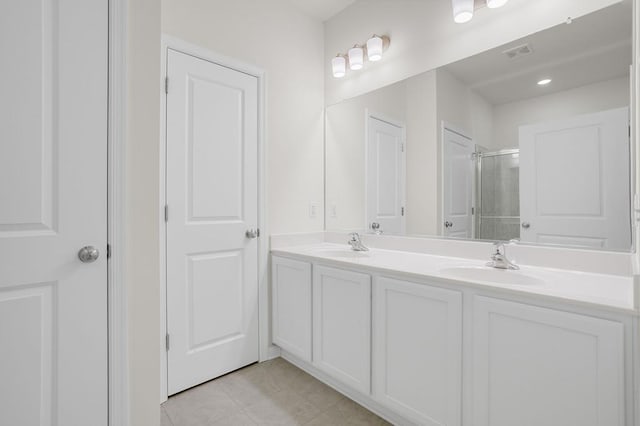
518,51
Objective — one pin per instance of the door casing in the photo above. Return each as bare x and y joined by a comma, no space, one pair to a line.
267,350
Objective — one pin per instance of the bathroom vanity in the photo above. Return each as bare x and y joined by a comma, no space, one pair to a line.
433,340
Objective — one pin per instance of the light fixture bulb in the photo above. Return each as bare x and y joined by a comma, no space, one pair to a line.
374,48
493,4
462,10
356,58
339,66
544,82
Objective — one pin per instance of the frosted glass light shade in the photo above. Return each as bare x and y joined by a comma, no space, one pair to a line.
462,10
356,58
374,48
339,66
492,4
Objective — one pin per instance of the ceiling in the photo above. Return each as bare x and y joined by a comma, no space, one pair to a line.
321,9
593,48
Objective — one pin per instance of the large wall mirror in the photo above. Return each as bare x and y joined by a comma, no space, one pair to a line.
528,141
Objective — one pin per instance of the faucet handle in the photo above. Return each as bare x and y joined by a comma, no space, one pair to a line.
498,247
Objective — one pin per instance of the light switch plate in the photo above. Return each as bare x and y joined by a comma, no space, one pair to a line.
313,210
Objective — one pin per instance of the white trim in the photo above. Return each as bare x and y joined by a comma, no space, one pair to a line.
368,114
117,292
267,350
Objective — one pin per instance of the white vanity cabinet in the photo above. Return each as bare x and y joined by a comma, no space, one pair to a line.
342,326
291,297
417,351
535,366
399,348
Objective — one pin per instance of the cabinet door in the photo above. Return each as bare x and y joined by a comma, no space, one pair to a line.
291,281
418,351
534,366
342,326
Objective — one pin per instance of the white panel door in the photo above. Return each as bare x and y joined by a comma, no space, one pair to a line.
574,181
457,184
291,292
53,179
212,275
417,354
342,325
385,176
534,366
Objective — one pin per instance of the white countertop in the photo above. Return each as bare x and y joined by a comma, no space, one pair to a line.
606,291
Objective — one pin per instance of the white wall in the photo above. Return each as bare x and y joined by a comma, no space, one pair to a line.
142,200
289,47
345,152
424,36
582,100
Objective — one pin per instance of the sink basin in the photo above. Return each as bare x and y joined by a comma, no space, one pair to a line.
491,275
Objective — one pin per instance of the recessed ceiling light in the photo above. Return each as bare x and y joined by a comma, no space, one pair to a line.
544,82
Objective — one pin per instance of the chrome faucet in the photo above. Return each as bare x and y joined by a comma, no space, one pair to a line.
499,258
356,243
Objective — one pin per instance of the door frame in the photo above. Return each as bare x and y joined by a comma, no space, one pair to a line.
266,349
444,126
369,114
117,323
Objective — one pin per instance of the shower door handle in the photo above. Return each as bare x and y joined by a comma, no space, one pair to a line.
526,225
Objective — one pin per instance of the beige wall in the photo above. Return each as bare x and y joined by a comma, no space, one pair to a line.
424,36
289,47
422,155
142,200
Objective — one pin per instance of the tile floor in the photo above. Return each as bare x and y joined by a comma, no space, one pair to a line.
272,393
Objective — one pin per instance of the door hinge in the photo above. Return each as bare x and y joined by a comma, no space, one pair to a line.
473,211
402,147
108,251
166,85
401,211
166,213
167,341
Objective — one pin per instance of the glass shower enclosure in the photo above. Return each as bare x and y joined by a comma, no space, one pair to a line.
498,195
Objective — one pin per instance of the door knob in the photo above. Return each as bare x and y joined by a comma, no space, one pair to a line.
252,233
88,254
526,225
448,224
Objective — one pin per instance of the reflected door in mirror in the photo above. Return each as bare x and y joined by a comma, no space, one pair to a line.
457,192
574,181
385,176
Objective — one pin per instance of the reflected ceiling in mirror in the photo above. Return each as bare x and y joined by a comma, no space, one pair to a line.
528,141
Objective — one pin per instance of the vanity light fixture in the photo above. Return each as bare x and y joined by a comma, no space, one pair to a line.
462,10
493,4
356,58
339,66
374,48
544,82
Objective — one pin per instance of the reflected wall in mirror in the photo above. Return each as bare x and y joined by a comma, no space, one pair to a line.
486,148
